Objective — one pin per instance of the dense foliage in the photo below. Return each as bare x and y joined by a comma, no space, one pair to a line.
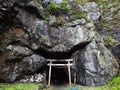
60,8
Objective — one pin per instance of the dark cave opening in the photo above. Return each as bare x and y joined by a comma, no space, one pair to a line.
53,55
59,76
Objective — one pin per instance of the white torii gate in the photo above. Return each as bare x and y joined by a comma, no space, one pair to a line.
51,63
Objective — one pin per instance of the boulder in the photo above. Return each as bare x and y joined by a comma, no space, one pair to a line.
94,65
18,52
11,70
49,38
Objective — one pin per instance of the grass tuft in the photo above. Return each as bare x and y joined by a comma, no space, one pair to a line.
20,86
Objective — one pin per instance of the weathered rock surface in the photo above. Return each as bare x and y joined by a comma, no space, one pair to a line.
109,24
18,52
5,7
50,37
24,49
46,2
12,69
93,11
94,65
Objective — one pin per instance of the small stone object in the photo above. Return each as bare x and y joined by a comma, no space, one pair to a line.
36,78
93,15
76,22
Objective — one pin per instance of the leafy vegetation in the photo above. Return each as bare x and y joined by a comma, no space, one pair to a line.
60,8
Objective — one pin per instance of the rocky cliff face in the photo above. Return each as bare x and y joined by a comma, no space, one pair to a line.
34,36
109,26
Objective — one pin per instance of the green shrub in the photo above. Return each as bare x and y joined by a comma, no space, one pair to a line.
60,8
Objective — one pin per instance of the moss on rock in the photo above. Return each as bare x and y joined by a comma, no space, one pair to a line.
77,14
109,40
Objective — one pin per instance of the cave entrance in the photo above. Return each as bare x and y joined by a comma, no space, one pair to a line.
58,72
